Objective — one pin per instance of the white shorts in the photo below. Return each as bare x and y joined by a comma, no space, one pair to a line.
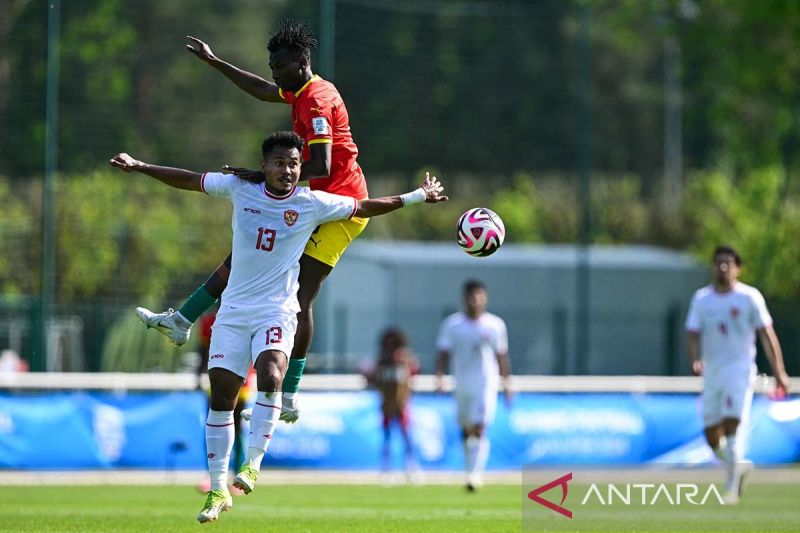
474,409
240,334
727,396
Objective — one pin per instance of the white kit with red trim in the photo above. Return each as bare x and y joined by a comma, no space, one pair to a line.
269,235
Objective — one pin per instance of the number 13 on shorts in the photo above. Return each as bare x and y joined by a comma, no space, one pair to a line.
276,332
274,335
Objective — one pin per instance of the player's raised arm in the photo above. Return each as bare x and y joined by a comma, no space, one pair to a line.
174,177
250,83
429,192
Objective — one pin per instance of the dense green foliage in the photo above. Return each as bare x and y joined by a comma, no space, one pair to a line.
485,92
138,238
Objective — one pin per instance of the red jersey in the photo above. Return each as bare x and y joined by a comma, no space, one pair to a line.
319,116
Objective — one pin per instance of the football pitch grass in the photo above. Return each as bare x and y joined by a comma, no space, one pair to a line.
126,508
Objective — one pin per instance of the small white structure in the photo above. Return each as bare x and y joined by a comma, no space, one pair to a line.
636,306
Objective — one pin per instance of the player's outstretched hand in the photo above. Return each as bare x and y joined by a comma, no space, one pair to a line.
125,162
697,367
253,176
200,49
433,189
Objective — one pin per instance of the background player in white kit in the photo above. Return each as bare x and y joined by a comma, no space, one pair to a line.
272,222
721,325
475,342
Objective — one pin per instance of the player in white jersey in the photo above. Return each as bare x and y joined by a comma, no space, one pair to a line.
474,343
272,222
721,325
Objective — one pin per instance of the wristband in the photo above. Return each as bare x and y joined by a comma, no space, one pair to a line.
414,197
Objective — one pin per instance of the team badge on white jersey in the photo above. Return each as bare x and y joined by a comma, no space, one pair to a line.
290,217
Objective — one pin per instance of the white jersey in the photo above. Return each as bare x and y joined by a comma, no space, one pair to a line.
269,235
727,323
473,346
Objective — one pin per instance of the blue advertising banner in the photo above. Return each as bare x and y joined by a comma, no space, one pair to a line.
97,430
342,430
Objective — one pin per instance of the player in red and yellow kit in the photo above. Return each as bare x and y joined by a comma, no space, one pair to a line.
320,117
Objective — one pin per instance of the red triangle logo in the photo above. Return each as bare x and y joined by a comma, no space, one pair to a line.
562,482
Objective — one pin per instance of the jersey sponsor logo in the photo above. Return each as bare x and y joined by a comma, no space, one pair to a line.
320,125
251,210
290,217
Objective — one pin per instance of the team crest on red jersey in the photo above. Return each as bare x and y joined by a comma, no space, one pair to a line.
290,217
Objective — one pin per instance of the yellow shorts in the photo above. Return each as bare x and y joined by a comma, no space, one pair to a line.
330,240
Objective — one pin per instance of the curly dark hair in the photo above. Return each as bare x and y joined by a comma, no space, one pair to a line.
296,36
284,139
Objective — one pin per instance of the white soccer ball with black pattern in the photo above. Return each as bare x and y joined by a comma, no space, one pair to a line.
480,232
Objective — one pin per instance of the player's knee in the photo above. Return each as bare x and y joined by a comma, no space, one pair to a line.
219,401
225,387
270,378
730,425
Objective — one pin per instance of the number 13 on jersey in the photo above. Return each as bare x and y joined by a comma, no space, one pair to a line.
266,239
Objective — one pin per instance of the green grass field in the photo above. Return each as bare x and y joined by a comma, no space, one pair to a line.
369,508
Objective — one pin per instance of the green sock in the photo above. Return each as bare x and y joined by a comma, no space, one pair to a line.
197,304
291,382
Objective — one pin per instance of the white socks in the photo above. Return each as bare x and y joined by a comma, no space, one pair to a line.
220,433
470,453
482,455
721,451
476,453
731,462
263,422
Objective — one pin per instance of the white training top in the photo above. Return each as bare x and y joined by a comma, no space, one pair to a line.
473,346
269,235
727,322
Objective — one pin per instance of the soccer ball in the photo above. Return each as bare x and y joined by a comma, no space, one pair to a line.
480,232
